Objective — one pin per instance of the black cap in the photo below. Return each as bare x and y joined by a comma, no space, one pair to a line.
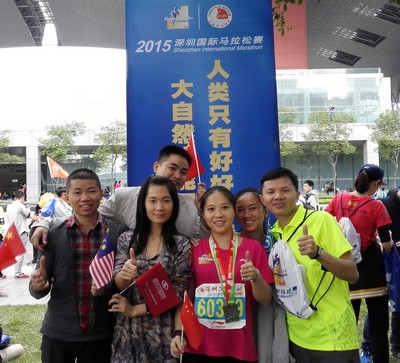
374,172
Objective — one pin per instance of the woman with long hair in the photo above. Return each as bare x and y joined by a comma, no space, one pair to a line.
138,336
231,274
271,333
370,219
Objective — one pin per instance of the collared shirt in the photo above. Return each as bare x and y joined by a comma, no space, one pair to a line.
18,214
333,325
84,248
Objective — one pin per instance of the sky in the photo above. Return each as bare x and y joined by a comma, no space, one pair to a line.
47,85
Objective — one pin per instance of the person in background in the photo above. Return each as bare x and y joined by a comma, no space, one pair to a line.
233,265
330,333
77,325
62,209
310,196
18,214
117,184
392,204
173,163
369,216
106,193
37,218
272,338
138,336
9,352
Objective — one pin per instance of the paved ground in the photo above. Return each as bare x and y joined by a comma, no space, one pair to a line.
15,291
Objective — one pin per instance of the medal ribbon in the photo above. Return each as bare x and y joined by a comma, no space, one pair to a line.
226,276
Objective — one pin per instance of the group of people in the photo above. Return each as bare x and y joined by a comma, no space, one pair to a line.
225,273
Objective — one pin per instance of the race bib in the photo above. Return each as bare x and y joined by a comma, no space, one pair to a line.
210,307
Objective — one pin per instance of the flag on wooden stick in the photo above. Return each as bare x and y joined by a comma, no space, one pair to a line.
56,171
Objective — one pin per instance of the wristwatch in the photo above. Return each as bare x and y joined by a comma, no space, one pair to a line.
318,254
258,276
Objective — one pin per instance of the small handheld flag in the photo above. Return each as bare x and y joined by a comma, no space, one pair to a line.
102,266
196,168
157,290
193,329
11,247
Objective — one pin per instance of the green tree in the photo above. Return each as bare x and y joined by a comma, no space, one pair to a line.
287,117
386,133
287,146
112,145
5,157
328,135
60,141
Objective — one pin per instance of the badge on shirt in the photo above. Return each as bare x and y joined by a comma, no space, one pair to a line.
214,313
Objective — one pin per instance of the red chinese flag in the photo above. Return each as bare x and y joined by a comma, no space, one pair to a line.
56,171
191,149
157,290
12,247
191,326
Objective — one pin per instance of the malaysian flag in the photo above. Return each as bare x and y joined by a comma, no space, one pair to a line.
102,266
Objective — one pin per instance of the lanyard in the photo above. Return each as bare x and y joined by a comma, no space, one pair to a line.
226,275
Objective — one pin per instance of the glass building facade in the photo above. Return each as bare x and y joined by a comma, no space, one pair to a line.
360,93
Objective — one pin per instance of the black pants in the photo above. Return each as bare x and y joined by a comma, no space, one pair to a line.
95,351
378,316
303,355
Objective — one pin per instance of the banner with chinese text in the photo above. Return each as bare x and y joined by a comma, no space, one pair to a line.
206,67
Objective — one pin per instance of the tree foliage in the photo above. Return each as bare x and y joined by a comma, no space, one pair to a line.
5,157
60,141
112,145
278,13
286,117
328,135
287,146
386,133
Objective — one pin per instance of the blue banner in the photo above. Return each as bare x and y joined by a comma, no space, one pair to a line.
206,67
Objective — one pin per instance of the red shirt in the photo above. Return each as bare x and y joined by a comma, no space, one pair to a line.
366,219
237,343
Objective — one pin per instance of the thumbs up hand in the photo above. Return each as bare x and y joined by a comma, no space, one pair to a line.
129,271
306,243
247,271
39,280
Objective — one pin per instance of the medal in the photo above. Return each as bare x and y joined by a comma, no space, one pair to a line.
231,312
226,277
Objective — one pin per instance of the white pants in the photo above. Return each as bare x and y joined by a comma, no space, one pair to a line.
20,260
